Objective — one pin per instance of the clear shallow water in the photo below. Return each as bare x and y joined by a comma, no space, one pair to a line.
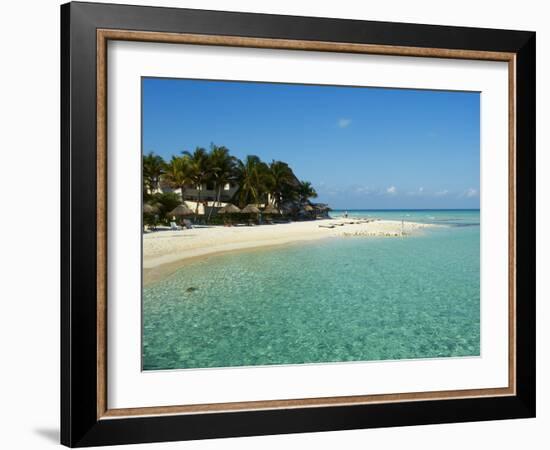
335,300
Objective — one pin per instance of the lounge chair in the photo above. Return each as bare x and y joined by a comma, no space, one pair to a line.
188,224
174,226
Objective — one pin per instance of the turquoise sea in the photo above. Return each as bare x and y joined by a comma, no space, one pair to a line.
334,300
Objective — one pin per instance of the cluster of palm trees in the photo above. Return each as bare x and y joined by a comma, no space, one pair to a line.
257,182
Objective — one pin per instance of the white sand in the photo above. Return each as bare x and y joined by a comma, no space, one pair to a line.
164,251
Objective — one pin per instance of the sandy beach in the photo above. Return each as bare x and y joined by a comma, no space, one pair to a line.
165,251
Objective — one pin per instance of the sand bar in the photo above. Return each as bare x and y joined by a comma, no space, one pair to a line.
164,251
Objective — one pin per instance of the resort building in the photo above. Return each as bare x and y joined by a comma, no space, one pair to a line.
209,200
207,191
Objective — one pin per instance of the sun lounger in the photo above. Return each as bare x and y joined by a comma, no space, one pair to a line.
326,226
174,226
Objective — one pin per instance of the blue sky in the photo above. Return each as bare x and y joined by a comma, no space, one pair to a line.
359,147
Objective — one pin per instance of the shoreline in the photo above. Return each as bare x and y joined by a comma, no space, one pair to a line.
164,252
158,273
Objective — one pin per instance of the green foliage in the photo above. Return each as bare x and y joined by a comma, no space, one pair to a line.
281,182
165,202
150,219
306,191
178,173
257,181
253,180
199,170
153,169
222,168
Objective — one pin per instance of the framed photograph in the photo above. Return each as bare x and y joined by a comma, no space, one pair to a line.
276,224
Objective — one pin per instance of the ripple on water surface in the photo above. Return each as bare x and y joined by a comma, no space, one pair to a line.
335,300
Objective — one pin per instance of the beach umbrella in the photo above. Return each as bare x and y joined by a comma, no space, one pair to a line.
308,208
181,210
270,209
250,209
150,214
229,209
149,209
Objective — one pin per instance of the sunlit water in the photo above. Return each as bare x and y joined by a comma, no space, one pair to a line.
334,300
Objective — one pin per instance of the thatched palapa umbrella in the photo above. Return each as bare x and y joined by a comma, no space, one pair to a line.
250,209
150,209
181,211
229,208
270,209
150,215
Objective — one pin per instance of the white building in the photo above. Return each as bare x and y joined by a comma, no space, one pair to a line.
208,194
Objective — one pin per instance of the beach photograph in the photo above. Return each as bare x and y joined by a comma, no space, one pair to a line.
292,224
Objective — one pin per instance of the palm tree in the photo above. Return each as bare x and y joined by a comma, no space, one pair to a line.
165,202
252,177
306,191
153,168
222,170
281,179
199,171
178,173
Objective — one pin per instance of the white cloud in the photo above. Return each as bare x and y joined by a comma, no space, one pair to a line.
361,190
418,192
391,190
353,189
471,192
442,193
344,123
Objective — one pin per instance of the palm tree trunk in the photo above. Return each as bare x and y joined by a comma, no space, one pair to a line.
213,204
218,195
198,201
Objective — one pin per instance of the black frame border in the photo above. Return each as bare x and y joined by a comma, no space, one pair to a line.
79,424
